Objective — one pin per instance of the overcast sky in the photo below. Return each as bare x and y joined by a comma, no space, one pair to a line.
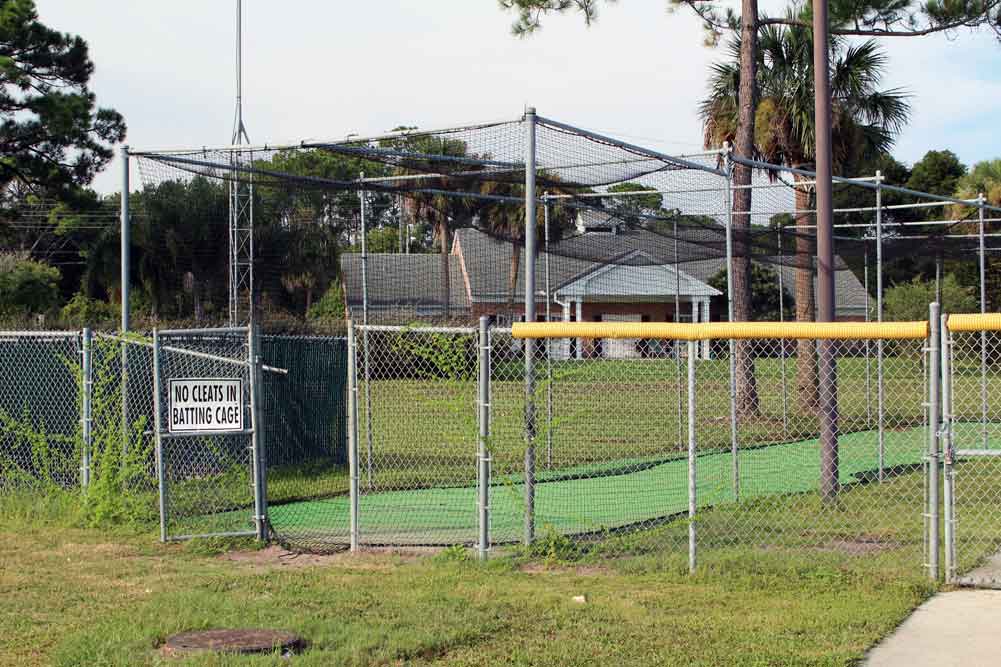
323,69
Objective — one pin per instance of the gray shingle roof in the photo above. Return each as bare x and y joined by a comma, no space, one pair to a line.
480,268
400,280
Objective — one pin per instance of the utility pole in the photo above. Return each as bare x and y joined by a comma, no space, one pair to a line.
241,203
825,254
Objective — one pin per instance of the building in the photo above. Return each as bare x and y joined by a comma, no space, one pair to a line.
601,274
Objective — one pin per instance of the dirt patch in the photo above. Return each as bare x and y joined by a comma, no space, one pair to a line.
579,570
276,557
860,546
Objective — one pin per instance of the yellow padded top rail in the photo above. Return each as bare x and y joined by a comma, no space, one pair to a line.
725,330
975,322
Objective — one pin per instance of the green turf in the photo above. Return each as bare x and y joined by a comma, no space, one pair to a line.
597,503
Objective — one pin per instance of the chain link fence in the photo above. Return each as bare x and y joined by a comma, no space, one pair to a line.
771,493
417,435
41,406
618,446
305,438
439,436
972,471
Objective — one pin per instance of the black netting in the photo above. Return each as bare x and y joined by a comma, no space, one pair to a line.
444,227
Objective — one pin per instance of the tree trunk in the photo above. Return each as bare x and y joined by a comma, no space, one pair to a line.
746,383
446,279
154,298
196,295
309,299
806,350
512,276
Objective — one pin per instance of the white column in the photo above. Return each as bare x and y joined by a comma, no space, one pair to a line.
565,342
705,318
695,311
580,318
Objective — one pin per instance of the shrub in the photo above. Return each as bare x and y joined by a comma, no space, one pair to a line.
909,301
330,306
27,286
83,311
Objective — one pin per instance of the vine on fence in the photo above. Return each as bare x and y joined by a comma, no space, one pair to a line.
119,457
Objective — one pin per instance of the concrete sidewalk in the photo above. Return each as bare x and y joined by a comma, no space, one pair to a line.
960,628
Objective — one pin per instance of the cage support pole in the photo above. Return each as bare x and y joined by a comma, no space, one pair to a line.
125,261
363,224
399,205
352,415
86,403
161,466
782,343
256,428
125,240
692,461
483,545
938,277
947,461
868,363
549,343
529,347
676,345
983,334
934,397
735,472
880,434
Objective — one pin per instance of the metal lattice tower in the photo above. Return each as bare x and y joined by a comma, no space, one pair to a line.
241,205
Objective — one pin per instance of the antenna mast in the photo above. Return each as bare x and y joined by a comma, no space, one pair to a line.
239,129
241,204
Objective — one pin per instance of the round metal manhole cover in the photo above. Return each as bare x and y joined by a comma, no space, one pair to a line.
244,641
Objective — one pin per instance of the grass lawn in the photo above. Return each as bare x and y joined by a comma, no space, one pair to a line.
84,597
783,578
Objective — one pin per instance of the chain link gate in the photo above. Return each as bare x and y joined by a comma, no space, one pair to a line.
208,451
971,429
413,436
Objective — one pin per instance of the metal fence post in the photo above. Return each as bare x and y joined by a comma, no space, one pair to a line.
983,334
86,406
256,437
353,435
125,241
483,545
692,489
735,462
736,471
161,465
782,353
125,264
529,344
880,435
934,397
866,344
675,345
947,459
548,341
363,223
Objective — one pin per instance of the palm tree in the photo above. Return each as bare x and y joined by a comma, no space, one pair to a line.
866,119
984,178
507,221
442,212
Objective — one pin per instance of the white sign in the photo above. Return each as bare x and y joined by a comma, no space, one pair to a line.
210,404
